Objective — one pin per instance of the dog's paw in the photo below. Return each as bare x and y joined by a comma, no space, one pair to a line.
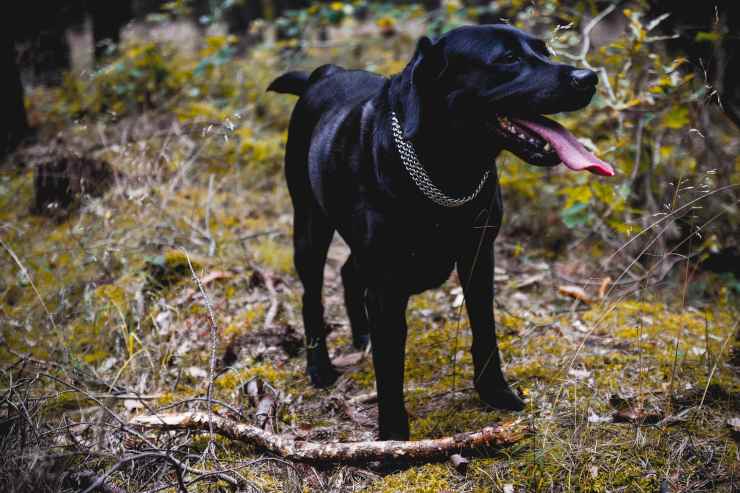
322,376
501,398
393,424
360,341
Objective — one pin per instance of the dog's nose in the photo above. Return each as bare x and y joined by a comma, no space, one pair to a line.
583,79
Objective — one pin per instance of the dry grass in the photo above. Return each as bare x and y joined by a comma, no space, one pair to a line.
102,320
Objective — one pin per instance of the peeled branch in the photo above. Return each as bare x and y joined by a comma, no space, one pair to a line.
575,292
353,452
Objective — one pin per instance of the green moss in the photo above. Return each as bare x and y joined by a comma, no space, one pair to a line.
428,478
276,256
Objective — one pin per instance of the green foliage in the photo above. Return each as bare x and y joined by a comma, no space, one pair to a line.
142,77
200,148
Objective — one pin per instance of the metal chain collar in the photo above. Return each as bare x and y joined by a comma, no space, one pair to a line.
420,176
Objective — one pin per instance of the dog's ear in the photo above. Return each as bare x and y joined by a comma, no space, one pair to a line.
427,65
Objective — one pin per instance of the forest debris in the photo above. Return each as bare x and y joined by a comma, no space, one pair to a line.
637,415
575,292
62,178
348,410
528,281
82,480
734,424
170,267
353,452
595,418
272,312
196,372
460,463
205,280
349,359
369,398
132,404
283,336
631,408
604,286
579,374
264,400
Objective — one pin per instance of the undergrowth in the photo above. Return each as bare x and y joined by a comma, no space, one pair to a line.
100,312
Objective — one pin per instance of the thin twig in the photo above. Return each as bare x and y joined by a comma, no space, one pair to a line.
212,364
716,363
25,273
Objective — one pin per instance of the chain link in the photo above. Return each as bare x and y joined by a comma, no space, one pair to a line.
420,176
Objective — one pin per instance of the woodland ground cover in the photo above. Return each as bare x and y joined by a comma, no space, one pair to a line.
631,380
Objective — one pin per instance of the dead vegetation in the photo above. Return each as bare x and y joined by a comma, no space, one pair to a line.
171,291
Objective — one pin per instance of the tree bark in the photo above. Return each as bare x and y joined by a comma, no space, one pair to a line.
347,452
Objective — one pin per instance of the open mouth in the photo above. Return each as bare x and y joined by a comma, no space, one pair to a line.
544,142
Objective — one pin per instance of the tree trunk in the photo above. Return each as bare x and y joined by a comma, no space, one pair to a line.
107,19
13,122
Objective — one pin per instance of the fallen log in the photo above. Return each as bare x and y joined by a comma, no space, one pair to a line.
352,452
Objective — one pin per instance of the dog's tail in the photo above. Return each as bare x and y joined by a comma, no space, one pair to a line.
295,82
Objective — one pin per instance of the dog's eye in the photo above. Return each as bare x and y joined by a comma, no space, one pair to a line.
508,57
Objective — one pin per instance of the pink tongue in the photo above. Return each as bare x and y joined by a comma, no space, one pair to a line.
570,151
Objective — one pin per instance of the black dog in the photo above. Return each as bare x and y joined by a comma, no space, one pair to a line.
403,169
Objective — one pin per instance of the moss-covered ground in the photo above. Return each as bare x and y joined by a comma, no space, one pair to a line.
104,300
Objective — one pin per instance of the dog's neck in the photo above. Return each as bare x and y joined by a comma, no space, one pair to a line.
455,151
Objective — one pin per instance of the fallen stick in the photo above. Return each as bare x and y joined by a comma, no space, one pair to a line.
305,451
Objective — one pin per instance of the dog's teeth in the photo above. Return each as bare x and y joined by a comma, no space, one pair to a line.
547,147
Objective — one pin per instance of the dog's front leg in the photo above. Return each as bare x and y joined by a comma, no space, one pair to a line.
475,269
387,314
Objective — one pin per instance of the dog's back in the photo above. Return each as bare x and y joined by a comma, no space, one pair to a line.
326,117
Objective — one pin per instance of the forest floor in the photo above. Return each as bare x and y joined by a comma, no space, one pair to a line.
104,318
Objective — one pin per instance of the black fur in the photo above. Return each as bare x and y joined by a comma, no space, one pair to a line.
290,83
345,175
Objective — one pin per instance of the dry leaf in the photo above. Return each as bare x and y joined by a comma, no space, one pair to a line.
529,280
460,463
575,292
196,372
132,404
596,419
604,286
579,374
348,359
637,415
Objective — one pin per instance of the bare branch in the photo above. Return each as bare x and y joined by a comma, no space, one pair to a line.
305,451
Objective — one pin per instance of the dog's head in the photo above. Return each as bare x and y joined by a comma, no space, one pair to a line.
502,78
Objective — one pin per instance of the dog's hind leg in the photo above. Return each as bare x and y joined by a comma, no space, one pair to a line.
312,234
354,300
